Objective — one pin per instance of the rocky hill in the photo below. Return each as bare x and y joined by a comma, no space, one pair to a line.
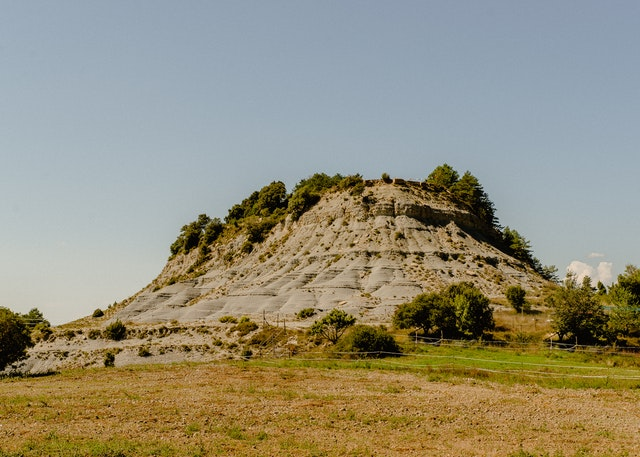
342,242
362,251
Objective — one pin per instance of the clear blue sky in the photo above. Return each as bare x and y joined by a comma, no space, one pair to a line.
122,121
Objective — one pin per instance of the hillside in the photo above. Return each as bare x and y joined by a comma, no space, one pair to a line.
334,242
363,250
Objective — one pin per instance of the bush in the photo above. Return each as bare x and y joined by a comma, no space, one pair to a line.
41,332
97,313
368,342
228,320
269,335
94,334
353,183
109,360
385,177
144,351
244,327
257,230
306,313
116,331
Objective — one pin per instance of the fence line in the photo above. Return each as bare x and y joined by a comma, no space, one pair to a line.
551,345
396,362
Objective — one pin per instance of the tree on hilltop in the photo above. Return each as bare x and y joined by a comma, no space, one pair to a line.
443,177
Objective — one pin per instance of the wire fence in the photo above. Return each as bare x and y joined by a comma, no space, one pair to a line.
524,346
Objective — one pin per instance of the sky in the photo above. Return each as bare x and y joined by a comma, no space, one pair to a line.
122,121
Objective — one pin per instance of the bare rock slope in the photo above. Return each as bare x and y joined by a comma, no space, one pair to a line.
362,253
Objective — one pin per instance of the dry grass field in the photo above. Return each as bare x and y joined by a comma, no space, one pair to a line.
254,409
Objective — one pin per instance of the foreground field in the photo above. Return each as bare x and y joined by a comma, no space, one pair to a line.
333,410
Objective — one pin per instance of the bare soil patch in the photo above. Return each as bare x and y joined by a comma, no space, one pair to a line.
243,409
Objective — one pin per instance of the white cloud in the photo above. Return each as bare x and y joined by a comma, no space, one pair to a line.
603,272
595,255
580,270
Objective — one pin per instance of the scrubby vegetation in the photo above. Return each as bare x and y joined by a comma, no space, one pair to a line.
366,341
115,331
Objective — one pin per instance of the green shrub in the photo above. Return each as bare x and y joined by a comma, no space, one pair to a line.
41,332
97,313
143,351
115,331
228,320
244,327
269,335
369,342
385,177
247,247
306,313
94,334
353,183
109,360
258,230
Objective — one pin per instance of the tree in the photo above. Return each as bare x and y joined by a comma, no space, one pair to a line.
577,312
35,317
624,297
458,309
469,191
301,201
15,338
368,341
190,235
416,313
428,312
212,231
516,297
517,245
443,177
473,313
333,325
270,198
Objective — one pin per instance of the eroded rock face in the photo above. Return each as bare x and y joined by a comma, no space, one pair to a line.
364,254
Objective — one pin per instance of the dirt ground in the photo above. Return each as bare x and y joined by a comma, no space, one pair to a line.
231,409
